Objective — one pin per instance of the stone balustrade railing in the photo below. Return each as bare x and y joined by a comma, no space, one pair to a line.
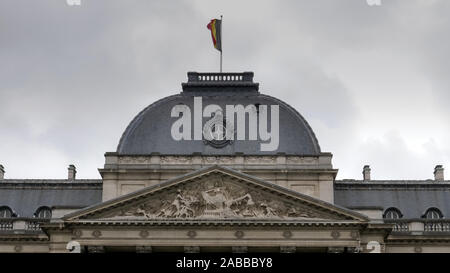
220,77
18,223
420,225
401,227
437,226
6,224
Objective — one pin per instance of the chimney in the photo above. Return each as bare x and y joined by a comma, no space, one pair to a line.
72,172
2,172
366,173
438,173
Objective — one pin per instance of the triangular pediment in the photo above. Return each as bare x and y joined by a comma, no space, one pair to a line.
215,193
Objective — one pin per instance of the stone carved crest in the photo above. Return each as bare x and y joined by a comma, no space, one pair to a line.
215,199
175,160
300,160
134,160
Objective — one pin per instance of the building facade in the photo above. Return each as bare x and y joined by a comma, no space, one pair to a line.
254,185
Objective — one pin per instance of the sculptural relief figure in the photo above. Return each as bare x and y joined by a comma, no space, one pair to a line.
294,213
217,203
180,207
217,199
183,206
267,210
220,203
143,212
214,198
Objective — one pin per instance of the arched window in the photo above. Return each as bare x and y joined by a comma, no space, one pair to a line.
433,213
43,212
392,213
6,212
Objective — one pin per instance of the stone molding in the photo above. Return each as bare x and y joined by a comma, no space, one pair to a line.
221,160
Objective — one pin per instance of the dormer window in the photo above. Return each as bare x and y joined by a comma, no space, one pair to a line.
43,213
433,213
392,213
6,212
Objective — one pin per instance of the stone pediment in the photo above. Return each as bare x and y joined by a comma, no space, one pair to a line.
215,193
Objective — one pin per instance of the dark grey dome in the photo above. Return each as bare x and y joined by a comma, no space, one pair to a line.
150,130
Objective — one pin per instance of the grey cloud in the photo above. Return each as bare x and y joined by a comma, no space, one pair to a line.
72,78
390,157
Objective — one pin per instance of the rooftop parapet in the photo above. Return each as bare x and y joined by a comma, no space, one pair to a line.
210,82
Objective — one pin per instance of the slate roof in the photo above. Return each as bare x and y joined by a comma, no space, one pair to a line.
25,196
150,131
411,197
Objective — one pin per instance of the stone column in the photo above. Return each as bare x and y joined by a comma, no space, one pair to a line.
96,249
191,249
336,250
354,249
239,249
287,249
144,249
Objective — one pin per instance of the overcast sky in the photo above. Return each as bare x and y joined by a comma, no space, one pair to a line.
372,81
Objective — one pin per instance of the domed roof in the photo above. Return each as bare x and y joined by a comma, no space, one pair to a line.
150,131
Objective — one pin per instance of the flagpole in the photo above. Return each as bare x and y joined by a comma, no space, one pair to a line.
221,43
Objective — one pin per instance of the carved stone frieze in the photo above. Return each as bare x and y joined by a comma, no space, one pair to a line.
175,159
300,160
260,160
216,198
217,160
186,159
134,160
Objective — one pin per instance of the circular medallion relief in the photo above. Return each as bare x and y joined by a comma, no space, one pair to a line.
239,234
77,233
143,233
96,233
418,249
287,234
335,234
191,233
217,132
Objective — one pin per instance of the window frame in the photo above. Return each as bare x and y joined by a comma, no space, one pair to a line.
433,211
392,210
45,210
6,209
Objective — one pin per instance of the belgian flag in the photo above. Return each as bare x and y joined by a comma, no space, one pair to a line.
216,33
